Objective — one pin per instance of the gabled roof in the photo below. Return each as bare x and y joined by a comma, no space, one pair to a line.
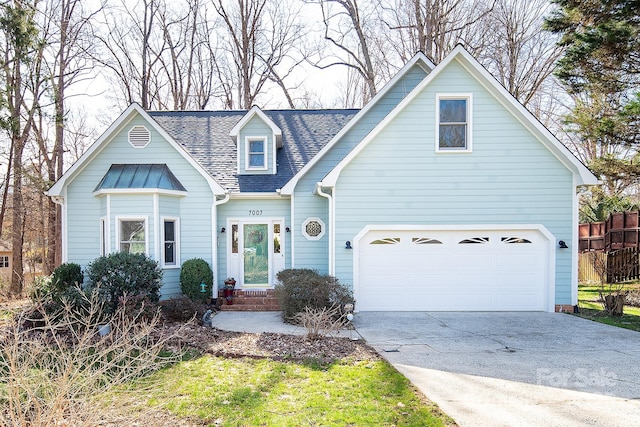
139,176
583,175
255,111
206,136
419,59
57,189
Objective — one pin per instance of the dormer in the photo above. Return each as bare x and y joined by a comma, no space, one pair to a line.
257,140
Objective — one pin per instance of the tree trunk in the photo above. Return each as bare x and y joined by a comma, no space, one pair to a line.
614,304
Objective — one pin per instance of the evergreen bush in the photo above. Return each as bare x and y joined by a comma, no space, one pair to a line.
300,289
194,272
116,275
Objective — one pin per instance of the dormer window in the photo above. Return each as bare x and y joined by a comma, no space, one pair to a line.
256,157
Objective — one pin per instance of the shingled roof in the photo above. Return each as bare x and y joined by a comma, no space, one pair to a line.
205,136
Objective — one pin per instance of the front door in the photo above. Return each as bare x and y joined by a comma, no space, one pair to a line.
256,252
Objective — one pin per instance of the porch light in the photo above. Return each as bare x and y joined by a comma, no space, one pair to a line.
287,229
562,245
222,230
347,245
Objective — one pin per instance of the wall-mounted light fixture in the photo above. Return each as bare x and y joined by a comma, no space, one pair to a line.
222,230
287,229
347,245
562,245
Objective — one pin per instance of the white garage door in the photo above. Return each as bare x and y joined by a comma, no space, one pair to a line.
452,270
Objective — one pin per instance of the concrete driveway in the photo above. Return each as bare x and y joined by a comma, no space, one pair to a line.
514,369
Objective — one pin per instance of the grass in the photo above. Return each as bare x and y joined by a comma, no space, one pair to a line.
591,308
263,392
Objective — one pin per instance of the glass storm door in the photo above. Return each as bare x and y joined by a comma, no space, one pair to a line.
256,254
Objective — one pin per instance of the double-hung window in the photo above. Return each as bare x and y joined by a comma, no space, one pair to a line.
453,130
133,235
256,157
171,233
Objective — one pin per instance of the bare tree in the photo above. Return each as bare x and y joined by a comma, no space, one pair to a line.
350,30
21,74
65,26
433,27
130,47
515,50
260,44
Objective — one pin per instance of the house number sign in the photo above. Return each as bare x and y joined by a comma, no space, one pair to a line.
255,212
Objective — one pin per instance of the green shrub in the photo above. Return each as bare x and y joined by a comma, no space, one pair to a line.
63,287
303,288
123,273
67,275
194,272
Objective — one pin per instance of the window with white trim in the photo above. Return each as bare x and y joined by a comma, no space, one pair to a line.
256,154
313,229
170,242
4,261
453,116
132,235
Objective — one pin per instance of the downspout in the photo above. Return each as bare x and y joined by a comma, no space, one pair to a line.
332,236
214,239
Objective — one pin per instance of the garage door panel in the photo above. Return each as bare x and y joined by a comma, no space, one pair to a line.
488,271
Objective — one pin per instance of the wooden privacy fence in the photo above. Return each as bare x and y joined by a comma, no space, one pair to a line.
616,266
616,242
622,265
620,230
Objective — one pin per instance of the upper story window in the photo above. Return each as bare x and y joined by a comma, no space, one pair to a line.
453,130
256,156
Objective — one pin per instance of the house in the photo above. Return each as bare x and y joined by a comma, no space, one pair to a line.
5,260
442,193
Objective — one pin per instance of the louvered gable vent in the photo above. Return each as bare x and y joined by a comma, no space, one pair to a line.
139,136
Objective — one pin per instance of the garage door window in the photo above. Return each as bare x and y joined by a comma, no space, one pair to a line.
514,240
425,241
386,241
474,240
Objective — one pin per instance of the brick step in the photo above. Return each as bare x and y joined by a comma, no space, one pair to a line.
251,300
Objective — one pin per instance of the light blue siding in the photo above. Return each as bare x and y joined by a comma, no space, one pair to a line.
84,210
314,253
509,178
255,127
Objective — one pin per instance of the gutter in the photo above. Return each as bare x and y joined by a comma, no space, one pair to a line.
214,239
332,236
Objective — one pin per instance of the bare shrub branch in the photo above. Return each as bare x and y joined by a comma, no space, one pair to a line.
320,322
54,366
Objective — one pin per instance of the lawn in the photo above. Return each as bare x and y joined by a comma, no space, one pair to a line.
591,308
262,392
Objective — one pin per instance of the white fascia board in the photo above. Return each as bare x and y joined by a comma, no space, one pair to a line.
253,112
255,196
105,191
420,59
105,138
57,188
501,94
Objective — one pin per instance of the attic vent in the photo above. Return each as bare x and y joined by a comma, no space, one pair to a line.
139,136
